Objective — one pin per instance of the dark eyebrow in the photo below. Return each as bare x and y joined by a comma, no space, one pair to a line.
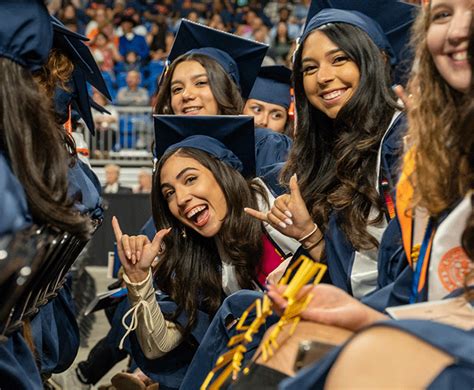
438,6
192,78
327,54
178,176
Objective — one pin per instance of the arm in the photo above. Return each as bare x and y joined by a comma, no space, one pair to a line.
155,335
136,253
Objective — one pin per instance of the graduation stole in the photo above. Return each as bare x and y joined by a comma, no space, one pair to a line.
417,255
301,272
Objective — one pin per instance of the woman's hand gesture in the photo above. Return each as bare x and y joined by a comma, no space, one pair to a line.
288,214
136,253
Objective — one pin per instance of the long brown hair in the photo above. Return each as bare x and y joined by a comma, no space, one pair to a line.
335,160
190,268
35,146
435,132
225,91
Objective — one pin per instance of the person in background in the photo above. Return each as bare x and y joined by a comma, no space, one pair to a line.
270,99
133,94
145,176
112,184
130,41
106,126
105,52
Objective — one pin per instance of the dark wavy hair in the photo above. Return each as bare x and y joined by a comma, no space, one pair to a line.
190,268
335,160
225,90
36,148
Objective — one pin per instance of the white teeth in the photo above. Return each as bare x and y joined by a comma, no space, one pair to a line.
460,56
333,94
194,211
190,109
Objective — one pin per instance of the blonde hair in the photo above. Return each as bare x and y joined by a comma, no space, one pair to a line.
441,175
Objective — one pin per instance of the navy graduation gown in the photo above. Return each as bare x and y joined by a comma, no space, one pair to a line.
270,148
219,333
84,188
14,213
18,368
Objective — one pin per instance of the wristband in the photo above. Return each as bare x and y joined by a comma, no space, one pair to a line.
309,234
313,245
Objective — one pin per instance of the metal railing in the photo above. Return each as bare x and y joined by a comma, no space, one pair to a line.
129,137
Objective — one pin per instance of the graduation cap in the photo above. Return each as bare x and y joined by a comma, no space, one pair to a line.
230,138
72,44
394,18
273,85
78,97
25,32
241,58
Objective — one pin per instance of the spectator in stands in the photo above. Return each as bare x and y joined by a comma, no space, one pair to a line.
105,52
216,22
102,22
132,62
281,43
70,15
272,9
133,94
105,126
112,184
145,176
130,41
156,39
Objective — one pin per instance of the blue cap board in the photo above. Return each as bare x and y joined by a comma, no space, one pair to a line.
26,35
393,18
273,85
230,138
241,58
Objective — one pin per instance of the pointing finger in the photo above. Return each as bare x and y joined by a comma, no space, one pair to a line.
256,214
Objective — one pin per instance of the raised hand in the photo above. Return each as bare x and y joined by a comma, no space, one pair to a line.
136,253
288,214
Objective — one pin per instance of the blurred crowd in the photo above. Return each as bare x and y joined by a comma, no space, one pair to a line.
137,35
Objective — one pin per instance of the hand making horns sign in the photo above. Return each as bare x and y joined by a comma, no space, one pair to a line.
137,253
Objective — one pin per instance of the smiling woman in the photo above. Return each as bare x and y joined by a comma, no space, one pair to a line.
196,84
348,141
210,72
208,247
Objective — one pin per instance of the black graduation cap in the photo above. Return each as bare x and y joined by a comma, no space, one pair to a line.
273,85
229,138
241,58
26,35
85,71
73,45
394,17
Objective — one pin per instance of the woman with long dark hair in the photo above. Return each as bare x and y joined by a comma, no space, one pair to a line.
348,141
207,247
436,182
